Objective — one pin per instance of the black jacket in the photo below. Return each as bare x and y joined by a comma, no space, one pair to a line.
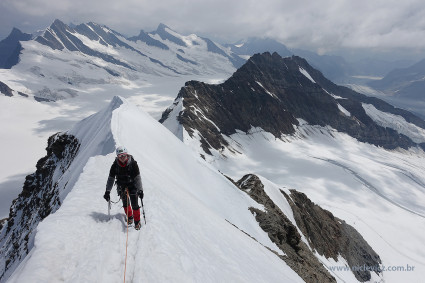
127,176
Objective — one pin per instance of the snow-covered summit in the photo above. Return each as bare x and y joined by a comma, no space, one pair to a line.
274,94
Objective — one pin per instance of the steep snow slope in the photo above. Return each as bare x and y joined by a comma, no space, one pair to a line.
379,192
196,218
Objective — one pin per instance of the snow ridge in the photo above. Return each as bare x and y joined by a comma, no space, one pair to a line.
181,193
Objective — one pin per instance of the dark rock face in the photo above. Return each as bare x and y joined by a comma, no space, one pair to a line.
331,236
326,234
284,234
38,199
271,92
165,35
231,108
5,89
186,60
10,48
144,37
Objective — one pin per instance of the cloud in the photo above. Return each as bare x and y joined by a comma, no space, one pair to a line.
321,24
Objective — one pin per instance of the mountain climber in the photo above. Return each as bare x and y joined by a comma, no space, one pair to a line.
127,173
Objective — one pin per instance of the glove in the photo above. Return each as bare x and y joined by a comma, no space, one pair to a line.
140,193
107,195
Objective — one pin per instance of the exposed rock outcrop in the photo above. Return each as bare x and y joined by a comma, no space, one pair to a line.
331,236
38,199
5,89
284,234
326,234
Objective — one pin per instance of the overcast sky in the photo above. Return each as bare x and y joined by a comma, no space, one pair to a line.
320,25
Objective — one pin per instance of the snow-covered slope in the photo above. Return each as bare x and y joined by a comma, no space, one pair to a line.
197,220
380,192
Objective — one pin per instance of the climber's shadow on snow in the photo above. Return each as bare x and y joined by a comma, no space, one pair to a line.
103,217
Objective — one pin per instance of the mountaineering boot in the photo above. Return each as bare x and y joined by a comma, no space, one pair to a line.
137,225
130,220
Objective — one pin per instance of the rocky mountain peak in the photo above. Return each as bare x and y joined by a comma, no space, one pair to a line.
162,27
17,33
58,24
165,35
274,93
10,48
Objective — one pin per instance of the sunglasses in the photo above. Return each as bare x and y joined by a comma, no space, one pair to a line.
122,155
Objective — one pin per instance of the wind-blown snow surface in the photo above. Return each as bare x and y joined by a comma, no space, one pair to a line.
196,219
381,193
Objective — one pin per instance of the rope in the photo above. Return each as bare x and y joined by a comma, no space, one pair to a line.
126,243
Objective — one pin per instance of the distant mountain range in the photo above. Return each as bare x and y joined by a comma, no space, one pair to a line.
57,58
107,57
404,87
338,69
60,36
408,83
